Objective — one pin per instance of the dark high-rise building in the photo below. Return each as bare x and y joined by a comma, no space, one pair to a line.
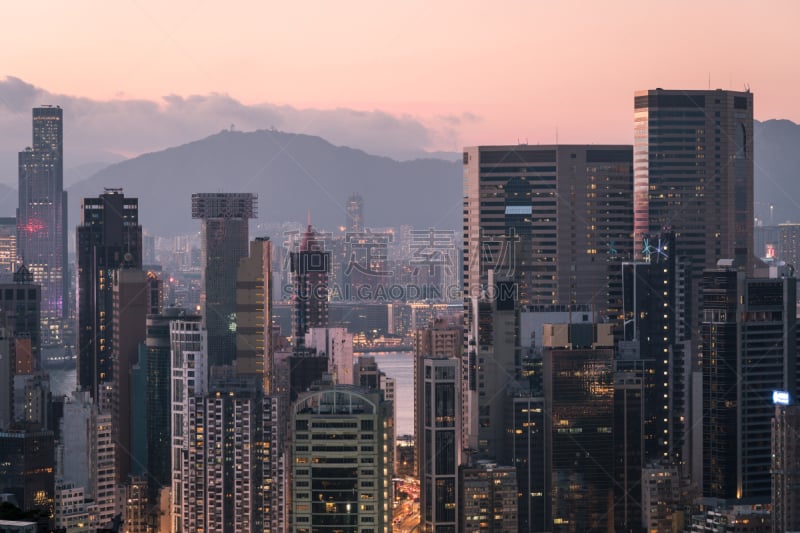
225,240
785,465
579,396
355,214
656,331
526,205
531,457
26,468
629,377
158,399
310,267
109,238
20,302
693,159
438,427
42,218
749,348
719,341
490,368
129,320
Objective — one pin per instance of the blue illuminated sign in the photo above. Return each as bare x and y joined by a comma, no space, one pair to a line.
780,397
518,210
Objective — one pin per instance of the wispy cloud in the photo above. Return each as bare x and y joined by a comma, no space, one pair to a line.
106,131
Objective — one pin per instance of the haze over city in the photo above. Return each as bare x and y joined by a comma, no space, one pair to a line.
447,267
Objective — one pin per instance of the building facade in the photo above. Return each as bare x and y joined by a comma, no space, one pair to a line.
439,442
488,498
42,218
254,343
525,205
341,473
786,467
693,159
749,349
109,238
224,234
310,266
579,395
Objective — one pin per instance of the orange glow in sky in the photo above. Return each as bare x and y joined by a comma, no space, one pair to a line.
524,69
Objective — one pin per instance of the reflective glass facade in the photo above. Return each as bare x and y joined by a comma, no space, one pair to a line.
693,174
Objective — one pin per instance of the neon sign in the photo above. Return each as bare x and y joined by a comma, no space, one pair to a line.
780,397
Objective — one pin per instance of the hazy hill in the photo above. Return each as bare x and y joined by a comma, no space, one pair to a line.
291,174
777,170
9,198
294,173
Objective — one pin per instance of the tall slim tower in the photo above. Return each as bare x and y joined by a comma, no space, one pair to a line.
129,321
225,218
310,267
693,159
656,329
42,217
109,238
355,214
438,427
254,349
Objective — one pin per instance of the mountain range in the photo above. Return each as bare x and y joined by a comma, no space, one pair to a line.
292,174
296,174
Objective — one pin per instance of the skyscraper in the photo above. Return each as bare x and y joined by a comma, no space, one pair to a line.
656,331
785,465
693,159
310,268
254,344
487,498
158,369
224,466
109,238
525,205
224,234
189,377
342,456
579,397
355,214
129,321
438,427
42,217
749,350
490,370
439,340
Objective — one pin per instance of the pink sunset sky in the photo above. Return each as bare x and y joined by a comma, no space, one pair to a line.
488,72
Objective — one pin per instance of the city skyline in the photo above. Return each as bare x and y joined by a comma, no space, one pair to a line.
592,333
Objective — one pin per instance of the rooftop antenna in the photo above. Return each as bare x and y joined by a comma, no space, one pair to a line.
709,80
309,218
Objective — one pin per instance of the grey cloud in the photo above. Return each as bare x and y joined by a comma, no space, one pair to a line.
107,131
